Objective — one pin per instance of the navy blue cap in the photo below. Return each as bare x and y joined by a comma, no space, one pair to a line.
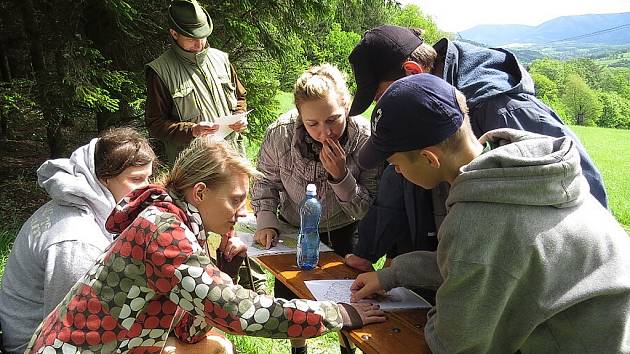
378,57
415,112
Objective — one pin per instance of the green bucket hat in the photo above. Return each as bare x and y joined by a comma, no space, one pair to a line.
189,19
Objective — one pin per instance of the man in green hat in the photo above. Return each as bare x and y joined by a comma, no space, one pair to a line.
190,85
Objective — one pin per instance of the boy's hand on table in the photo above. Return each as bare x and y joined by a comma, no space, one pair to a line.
358,263
366,285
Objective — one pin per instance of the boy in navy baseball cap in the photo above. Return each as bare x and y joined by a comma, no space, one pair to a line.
525,252
416,121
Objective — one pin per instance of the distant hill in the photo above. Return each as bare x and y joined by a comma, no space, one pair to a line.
605,54
607,29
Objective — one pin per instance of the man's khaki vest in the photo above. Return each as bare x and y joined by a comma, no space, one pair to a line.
200,84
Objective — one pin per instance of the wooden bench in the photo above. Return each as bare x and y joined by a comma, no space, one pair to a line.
403,332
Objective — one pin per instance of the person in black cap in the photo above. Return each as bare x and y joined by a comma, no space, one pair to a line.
500,94
531,262
191,84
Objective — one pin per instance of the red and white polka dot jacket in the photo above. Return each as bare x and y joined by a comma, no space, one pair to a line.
156,277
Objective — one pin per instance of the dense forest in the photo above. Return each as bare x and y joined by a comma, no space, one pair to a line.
584,92
71,66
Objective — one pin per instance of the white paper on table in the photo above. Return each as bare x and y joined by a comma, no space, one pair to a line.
225,121
339,291
287,243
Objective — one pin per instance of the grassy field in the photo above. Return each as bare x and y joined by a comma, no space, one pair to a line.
608,147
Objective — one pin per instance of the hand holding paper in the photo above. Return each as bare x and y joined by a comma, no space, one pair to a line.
230,123
204,128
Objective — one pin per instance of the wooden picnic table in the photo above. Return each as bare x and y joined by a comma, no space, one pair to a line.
403,332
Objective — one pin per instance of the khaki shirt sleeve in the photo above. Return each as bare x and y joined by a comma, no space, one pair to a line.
158,116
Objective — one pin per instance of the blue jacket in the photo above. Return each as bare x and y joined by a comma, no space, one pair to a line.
500,94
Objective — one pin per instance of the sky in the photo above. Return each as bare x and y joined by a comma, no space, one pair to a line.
459,15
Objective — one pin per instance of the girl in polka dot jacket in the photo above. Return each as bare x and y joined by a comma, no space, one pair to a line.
156,277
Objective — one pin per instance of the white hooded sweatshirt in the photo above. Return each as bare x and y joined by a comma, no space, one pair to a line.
55,246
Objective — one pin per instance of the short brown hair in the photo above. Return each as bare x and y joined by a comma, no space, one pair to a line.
454,143
120,148
424,55
207,160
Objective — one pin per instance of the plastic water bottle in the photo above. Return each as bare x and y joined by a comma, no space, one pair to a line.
308,237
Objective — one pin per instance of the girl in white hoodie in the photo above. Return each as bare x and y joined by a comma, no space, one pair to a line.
63,238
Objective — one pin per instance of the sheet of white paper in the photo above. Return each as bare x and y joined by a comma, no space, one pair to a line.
225,121
287,243
339,291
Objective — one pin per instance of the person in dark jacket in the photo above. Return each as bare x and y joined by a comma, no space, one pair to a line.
500,94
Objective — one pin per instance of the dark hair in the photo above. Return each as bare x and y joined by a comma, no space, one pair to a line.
120,148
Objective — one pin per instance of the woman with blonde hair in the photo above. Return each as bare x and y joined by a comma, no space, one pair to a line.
318,143
157,276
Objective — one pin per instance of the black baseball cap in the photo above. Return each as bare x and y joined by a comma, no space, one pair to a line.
380,54
415,112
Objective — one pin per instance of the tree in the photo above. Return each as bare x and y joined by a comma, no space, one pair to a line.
336,48
545,88
588,69
583,105
359,16
411,16
615,111
551,68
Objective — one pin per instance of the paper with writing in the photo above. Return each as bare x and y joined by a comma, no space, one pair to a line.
339,291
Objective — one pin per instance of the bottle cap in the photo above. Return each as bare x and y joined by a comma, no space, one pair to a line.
311,189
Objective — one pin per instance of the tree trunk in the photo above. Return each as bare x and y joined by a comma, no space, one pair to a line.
4,127
5,69
42,77
580,119
5,76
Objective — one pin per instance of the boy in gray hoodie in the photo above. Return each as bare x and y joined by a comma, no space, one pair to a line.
530,261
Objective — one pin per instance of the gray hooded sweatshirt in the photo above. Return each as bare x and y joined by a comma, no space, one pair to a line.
56,245
530,261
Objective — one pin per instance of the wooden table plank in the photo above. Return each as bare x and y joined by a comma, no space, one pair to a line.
402,332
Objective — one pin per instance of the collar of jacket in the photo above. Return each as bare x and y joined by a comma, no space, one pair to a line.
194,218
190,58
134,203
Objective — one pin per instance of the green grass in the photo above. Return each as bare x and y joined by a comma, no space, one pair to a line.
610,148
